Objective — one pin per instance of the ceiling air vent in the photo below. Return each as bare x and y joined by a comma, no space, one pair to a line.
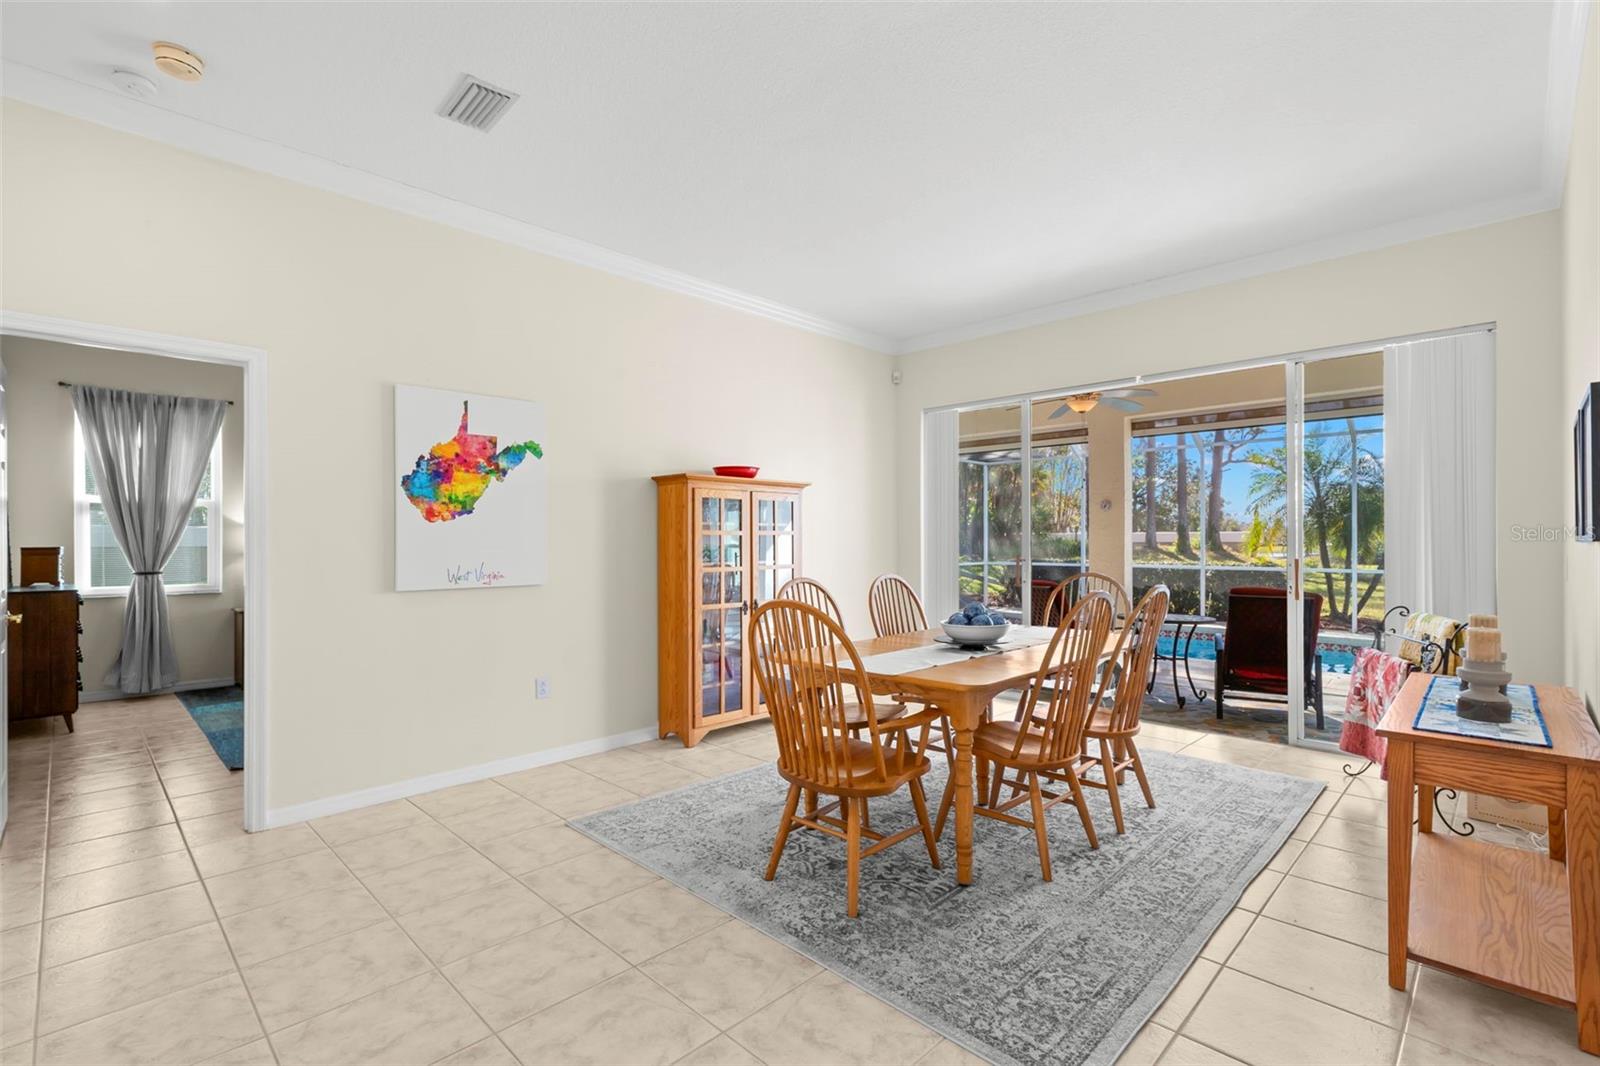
476,103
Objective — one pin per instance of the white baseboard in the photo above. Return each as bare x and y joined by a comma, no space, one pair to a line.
367,797
181,686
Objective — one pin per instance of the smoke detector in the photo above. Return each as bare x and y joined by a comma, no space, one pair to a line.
476,103
132,83
178,61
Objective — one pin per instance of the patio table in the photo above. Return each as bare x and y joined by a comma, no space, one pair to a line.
1178,622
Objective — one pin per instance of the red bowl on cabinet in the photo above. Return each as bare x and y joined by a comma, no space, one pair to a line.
735,471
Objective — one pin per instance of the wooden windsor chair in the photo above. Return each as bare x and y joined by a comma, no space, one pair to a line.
895,608
814,594
1070,591
1114,720
809,672
1046,741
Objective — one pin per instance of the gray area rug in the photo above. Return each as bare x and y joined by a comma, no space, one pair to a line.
1012,968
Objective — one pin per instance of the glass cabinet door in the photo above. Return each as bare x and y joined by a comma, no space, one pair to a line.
721,531
777,534
777,537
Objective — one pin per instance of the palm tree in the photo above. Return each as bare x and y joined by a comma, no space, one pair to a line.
1328,481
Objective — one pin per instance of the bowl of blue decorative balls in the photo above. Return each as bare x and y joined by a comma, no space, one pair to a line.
975,625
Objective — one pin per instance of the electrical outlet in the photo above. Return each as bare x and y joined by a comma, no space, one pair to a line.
541,688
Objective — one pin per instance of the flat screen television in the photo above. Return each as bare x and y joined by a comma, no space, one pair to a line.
1585,487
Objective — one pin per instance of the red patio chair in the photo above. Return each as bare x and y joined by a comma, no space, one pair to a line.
1253,651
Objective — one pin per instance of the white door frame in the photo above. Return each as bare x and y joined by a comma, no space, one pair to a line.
253,361
5,606
1294,445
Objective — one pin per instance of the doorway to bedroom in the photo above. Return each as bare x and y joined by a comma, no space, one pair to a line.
127,515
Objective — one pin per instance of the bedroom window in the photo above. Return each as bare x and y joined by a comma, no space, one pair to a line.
100,567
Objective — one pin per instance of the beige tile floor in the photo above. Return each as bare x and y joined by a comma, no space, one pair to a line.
138,923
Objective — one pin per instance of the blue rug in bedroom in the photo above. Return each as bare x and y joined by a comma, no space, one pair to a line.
219,712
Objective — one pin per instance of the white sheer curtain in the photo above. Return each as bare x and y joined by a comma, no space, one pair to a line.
1439,498
940,528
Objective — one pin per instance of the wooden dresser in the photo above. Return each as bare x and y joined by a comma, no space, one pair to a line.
44,675
723,545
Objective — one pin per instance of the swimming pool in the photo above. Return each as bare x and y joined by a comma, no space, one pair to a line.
1337,658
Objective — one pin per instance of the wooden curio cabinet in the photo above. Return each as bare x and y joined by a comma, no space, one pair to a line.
723,545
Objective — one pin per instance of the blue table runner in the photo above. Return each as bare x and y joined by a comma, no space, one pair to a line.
1438,715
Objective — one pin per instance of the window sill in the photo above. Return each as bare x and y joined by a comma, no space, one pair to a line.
122,593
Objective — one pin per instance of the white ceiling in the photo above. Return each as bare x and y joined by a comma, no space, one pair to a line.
897,173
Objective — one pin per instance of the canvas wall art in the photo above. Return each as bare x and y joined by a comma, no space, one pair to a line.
470,507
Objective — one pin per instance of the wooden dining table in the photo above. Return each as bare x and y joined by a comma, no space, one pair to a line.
963,690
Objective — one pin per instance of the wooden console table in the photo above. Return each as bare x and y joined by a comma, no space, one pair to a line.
1511,918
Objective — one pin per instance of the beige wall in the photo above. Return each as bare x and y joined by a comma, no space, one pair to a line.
1508,273
1580,256
40,414
368,686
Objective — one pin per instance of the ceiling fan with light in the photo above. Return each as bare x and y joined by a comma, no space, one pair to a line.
1084,402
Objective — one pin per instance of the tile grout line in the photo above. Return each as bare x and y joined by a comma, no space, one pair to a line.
1411,1007
1309,929
632,966
1314,999
332,849
157,891
44,879
564,916
189,855
728,919
221,930
1410,1000
123,862
436,968
395,919
1178,1029
433,966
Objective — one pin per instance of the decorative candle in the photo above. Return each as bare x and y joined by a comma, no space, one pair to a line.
1483,621
1483,645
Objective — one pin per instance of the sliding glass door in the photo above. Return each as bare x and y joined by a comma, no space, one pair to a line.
1022,500
992,495
1058,512
1335,474
1253,491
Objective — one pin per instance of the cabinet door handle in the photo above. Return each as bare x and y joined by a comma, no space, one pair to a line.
14,619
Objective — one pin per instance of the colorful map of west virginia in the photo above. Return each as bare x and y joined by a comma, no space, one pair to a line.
453,475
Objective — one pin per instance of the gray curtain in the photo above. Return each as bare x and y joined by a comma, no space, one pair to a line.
148,454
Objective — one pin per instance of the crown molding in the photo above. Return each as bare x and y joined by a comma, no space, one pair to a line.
108,108
1241,269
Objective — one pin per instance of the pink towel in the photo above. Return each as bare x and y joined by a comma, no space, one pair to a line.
1374,681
